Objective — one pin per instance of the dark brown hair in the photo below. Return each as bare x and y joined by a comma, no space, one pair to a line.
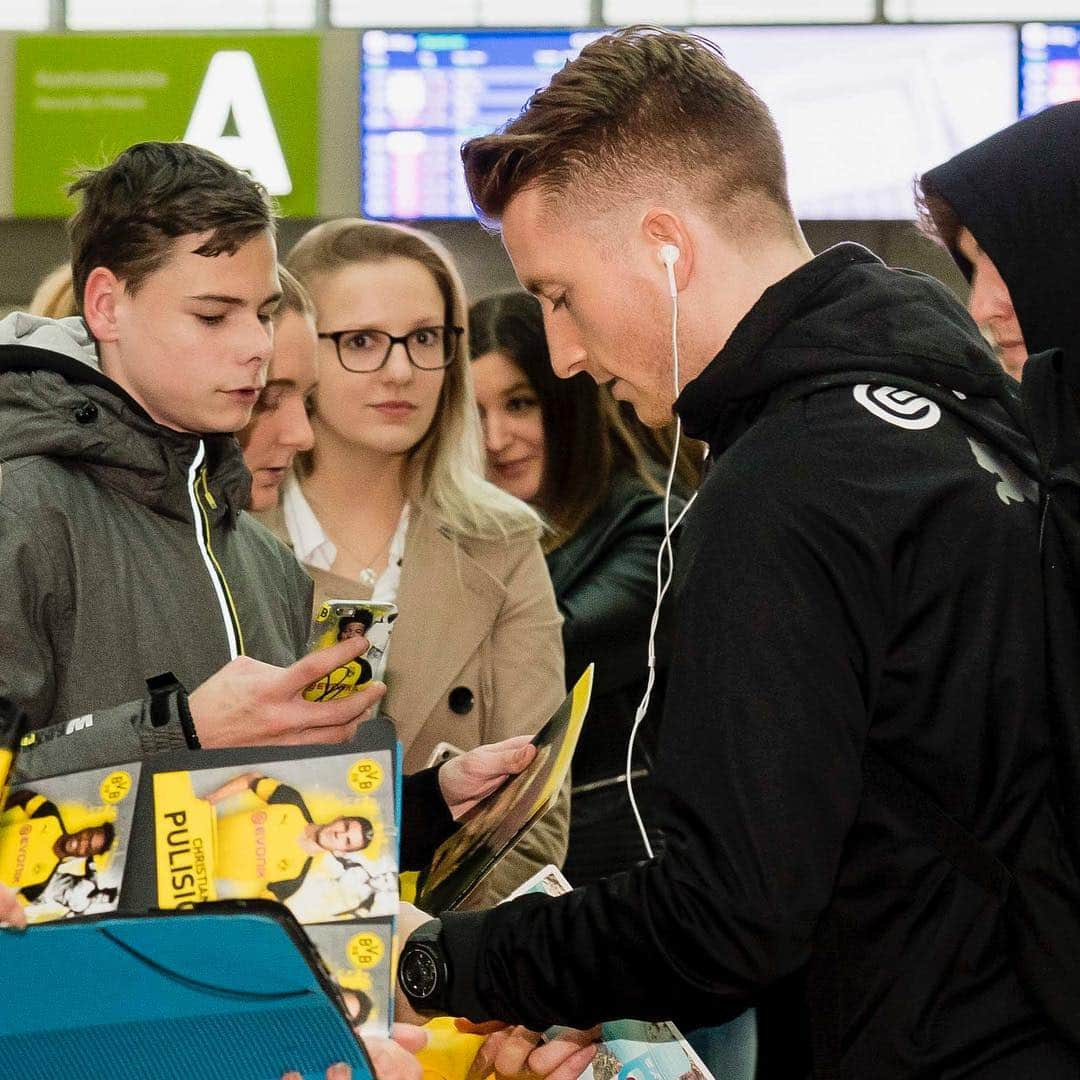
659,444
586,441
134,209
641,105
936,216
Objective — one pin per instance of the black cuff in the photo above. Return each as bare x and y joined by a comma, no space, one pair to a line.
461,937
187,725
168,701
426,820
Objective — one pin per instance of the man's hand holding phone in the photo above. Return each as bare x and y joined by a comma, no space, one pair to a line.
249,703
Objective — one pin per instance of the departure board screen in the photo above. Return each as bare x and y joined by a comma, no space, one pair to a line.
862,109
1049,65
425,93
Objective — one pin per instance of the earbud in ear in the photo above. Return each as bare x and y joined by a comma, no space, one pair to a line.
669,256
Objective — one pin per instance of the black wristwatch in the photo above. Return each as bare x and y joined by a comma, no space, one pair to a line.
423,973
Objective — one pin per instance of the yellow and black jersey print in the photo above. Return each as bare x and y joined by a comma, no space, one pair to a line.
258,849
29,828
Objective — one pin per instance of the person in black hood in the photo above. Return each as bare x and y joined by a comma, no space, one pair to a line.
858,581
1008,209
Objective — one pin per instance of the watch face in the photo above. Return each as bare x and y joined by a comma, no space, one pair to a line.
419,972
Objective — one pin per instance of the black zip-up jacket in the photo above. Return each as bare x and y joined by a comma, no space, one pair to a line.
861,567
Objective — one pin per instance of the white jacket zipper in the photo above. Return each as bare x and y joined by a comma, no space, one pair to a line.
202,536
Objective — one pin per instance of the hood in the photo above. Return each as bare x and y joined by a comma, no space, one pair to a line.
840,314
1018,192
56,402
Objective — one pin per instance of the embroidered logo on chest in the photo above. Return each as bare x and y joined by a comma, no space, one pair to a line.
901,408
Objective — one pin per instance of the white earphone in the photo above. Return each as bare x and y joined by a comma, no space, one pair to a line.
669,256
665,557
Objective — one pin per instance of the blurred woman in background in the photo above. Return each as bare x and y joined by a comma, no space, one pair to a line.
279,428
561,446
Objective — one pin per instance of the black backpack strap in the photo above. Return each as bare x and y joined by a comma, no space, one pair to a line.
928,819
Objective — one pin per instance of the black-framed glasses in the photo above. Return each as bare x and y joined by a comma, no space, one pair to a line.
428,347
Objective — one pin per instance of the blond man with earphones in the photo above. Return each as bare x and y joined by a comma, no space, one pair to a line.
857,597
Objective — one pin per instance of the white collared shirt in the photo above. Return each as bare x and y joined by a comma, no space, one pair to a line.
314,548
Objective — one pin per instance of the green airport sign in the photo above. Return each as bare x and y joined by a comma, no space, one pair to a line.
80,99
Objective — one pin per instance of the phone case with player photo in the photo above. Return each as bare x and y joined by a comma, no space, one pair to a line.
337,620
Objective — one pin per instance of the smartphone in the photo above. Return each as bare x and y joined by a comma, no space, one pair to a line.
444,751
337,620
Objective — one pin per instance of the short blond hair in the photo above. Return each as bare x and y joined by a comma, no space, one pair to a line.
641,105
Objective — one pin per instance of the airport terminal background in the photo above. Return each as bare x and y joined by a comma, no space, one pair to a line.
867,94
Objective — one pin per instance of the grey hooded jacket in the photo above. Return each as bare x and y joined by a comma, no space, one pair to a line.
125,555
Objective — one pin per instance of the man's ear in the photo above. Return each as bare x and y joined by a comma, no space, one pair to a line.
661,227
100,298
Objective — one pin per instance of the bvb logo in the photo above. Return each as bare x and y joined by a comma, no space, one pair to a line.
901,408
115,786
365,776
365,950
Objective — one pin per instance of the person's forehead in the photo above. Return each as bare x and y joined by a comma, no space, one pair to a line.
495,372
370,292
295,356
249,271
529,232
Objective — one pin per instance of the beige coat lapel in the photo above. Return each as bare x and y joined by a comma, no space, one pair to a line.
449,604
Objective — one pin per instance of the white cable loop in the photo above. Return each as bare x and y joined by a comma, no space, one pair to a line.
663,579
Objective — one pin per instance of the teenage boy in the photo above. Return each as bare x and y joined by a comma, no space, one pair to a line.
858,581
143,611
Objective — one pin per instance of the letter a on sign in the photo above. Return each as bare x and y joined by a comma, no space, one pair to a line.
231,118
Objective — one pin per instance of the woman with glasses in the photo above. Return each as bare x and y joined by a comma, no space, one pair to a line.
392,505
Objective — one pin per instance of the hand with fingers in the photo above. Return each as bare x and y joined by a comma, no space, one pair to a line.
392,1059
469,778
516,1053
249,703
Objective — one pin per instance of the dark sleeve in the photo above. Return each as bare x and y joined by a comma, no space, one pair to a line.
759,781
282,793
282,890
33,804
303,591
606,611
49,809
19,798
425,819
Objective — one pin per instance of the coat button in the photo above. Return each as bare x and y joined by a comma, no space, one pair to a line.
86,413
461,700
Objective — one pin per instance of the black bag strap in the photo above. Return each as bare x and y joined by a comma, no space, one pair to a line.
928,819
